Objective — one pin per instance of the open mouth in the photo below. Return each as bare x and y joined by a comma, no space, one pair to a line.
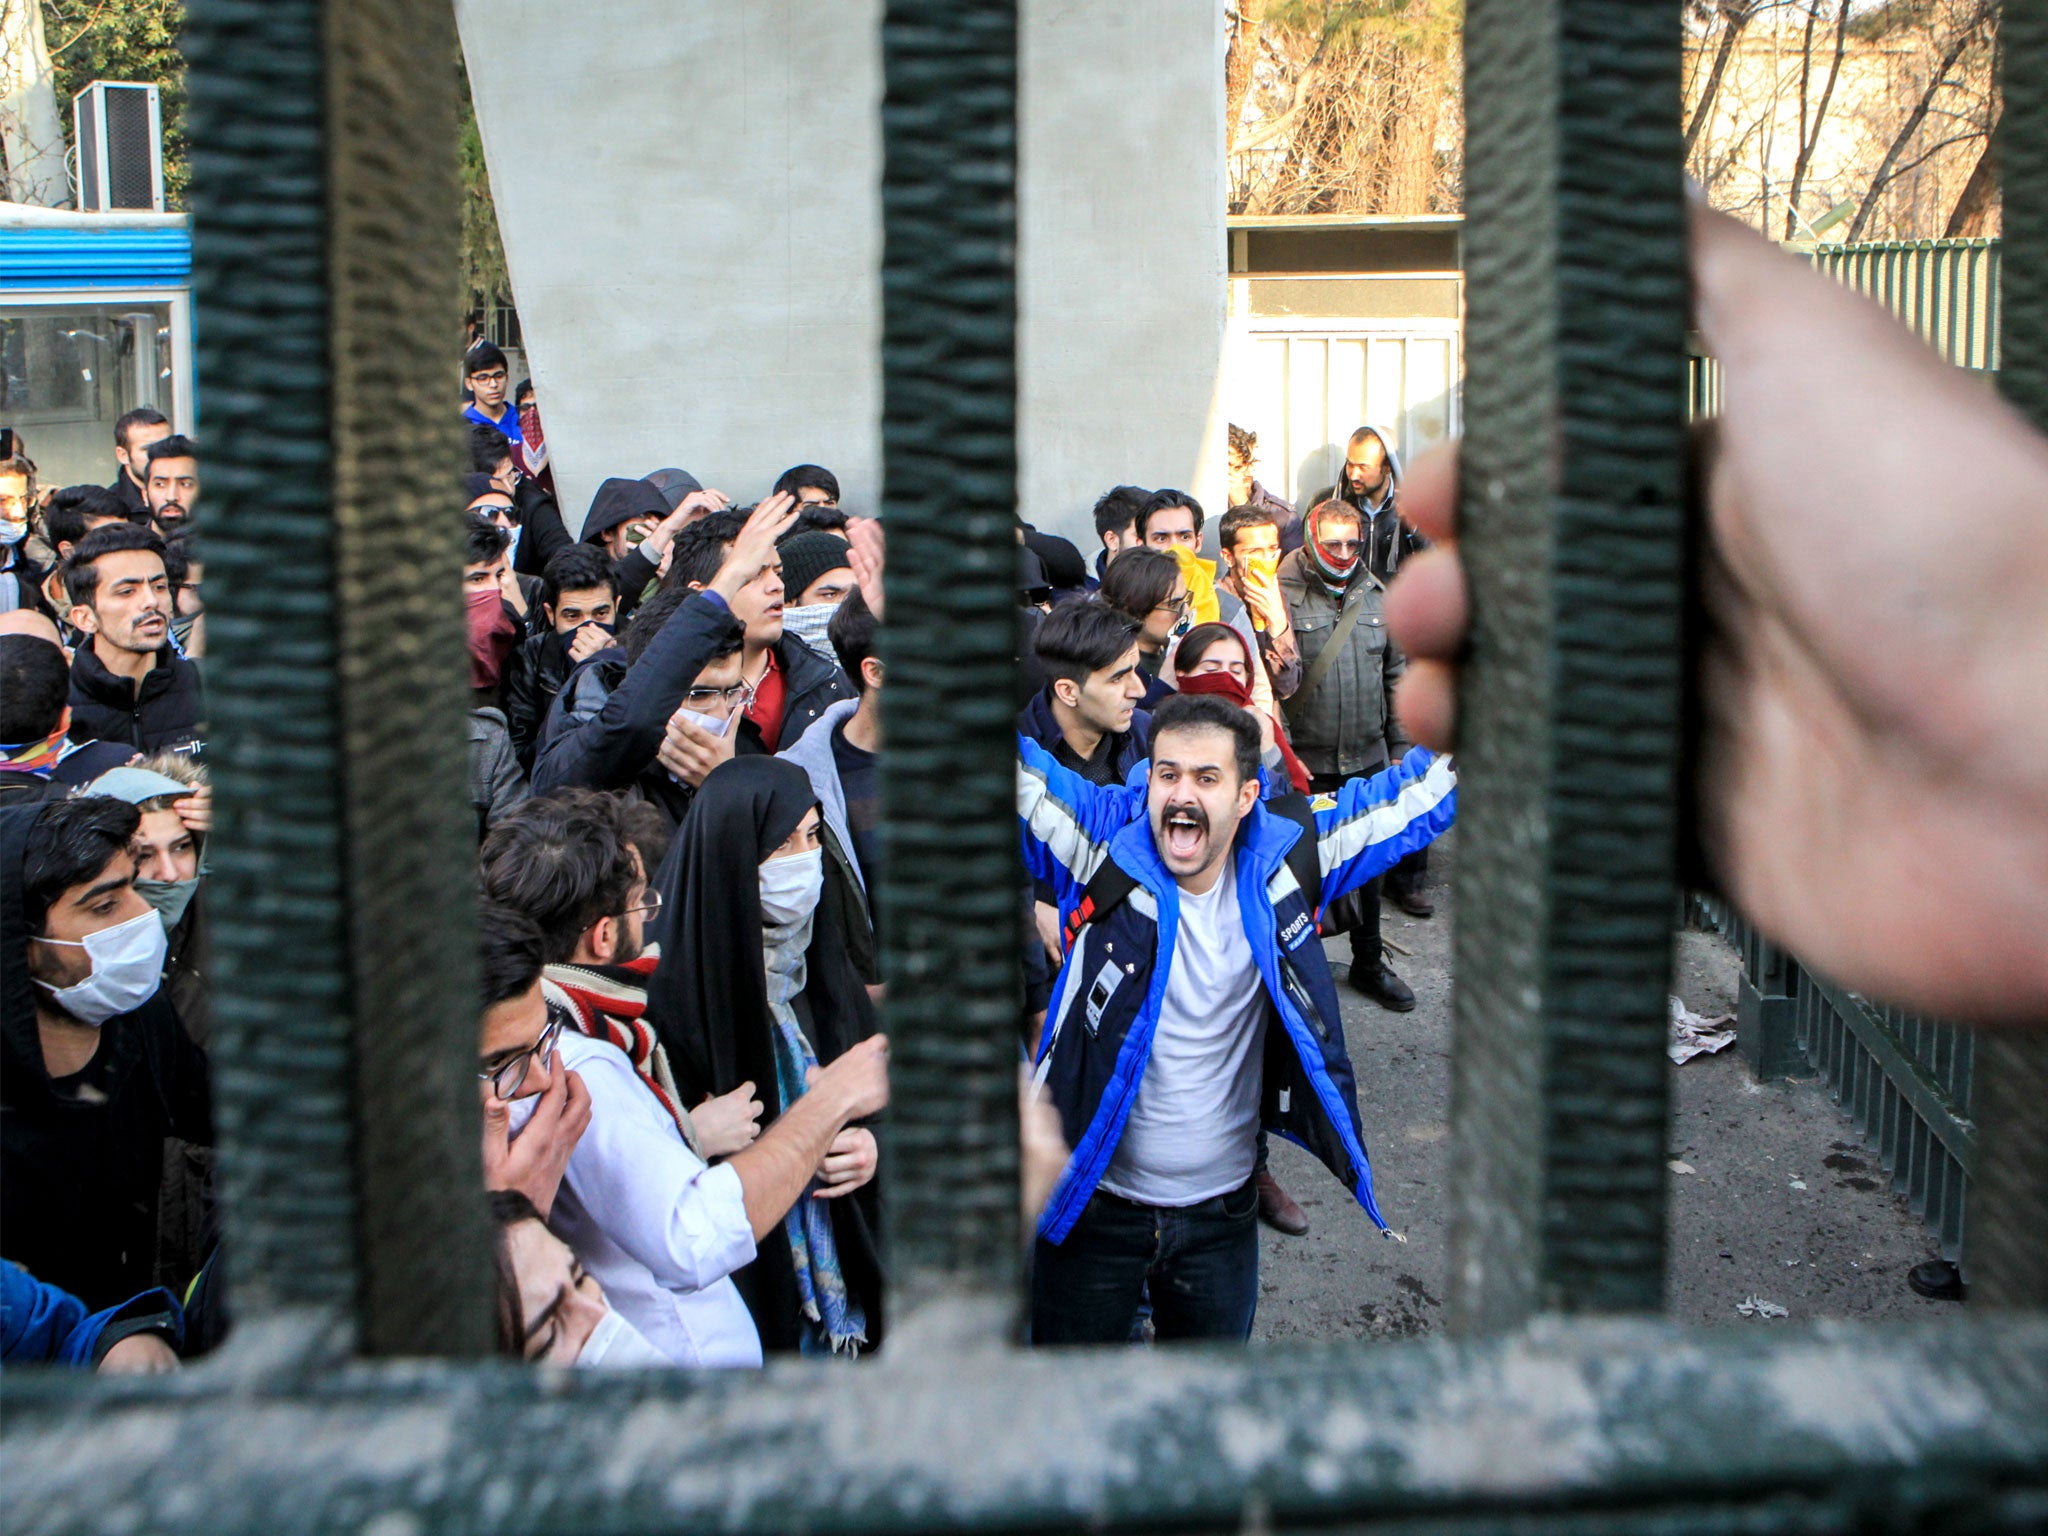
1186,830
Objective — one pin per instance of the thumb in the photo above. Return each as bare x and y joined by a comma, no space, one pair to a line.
496,1114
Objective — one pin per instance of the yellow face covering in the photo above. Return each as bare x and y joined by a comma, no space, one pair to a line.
1200,575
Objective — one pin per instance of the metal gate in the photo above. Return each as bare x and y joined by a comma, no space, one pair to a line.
325,257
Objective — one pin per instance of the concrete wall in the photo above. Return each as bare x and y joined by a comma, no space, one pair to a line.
688,197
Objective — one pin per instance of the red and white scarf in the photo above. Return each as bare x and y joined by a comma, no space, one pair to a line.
608,1007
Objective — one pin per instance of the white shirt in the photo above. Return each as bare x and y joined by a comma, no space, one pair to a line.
1193,1132
661,1231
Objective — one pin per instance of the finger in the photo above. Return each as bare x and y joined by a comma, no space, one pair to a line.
495,1113
833,1191
578,1095
1427,606
1429,492
1427,701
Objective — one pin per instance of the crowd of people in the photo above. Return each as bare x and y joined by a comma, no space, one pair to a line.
676,731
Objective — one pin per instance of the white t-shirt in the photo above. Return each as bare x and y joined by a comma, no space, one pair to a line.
1193,1132
660,1230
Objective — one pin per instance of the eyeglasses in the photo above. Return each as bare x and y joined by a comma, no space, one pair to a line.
495,376
1343,546
741,694
1182,605
506,1077
650,903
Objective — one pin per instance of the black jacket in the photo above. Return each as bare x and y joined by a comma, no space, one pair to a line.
605,727
545,535
82,1160
165,712
129,492
1036,721
534,674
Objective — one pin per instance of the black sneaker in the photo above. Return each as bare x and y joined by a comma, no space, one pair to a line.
1381,985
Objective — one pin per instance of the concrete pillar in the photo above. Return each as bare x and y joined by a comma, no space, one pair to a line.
688,201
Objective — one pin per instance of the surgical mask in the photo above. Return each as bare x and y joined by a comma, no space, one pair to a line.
790,887
711,723
808,624
169,897
127,968
13,531
615,1345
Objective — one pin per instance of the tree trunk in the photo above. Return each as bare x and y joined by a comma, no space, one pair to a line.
31,131
1734,18
1935,82
1238,60
1971,219
1809,138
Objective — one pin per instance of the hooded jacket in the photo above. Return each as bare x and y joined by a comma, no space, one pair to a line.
619,501
163,712
1106,1002
1390,540
82,1158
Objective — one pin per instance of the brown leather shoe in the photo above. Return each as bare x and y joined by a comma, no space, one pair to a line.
1277,1208
1414,903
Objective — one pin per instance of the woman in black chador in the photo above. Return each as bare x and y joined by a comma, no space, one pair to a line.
755,985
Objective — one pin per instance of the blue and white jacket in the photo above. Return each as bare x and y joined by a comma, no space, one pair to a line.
1105,1004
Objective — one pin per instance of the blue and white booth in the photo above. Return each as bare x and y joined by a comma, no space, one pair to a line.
95,320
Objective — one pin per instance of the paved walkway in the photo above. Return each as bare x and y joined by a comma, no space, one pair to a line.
1782,1202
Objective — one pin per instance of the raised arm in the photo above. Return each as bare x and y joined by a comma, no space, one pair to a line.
1065,821
1378,821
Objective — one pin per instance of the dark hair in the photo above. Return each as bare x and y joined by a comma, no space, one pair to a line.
176,446
1117,508
852,633
647,829
35,682
81,575
488,448
64,518
141,416
1243,441
699,550
807,477
578,568
177,558
816,517
1238,518
71,842
483,540
1338,510
1199,639
1138,581
1165,501
510,953
525,388
1079,639
19,464
1206,712
482,355
562,860
508,1208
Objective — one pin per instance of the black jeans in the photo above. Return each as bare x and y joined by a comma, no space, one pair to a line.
1202,1263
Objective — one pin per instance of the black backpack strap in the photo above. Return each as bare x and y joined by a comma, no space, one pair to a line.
1303,858
1104,893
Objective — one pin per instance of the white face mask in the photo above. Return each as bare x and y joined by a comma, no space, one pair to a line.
711,723
791,886
127,968
616,1345
11,531
808,624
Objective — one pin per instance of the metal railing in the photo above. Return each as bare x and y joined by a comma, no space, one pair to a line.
1948,291
1905,1081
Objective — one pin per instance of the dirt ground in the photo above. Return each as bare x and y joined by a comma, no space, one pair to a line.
1773,1194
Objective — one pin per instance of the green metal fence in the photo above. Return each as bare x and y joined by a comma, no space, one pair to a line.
323,148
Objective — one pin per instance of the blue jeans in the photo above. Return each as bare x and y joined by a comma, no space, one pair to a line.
1202,1262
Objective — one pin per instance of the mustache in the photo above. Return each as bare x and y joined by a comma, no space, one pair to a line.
1193,813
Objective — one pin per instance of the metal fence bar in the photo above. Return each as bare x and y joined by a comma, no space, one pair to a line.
1572,528
949,484
325,242
2009,1215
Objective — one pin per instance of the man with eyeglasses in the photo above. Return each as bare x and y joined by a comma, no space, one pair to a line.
1341,716
657,1224
485,372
